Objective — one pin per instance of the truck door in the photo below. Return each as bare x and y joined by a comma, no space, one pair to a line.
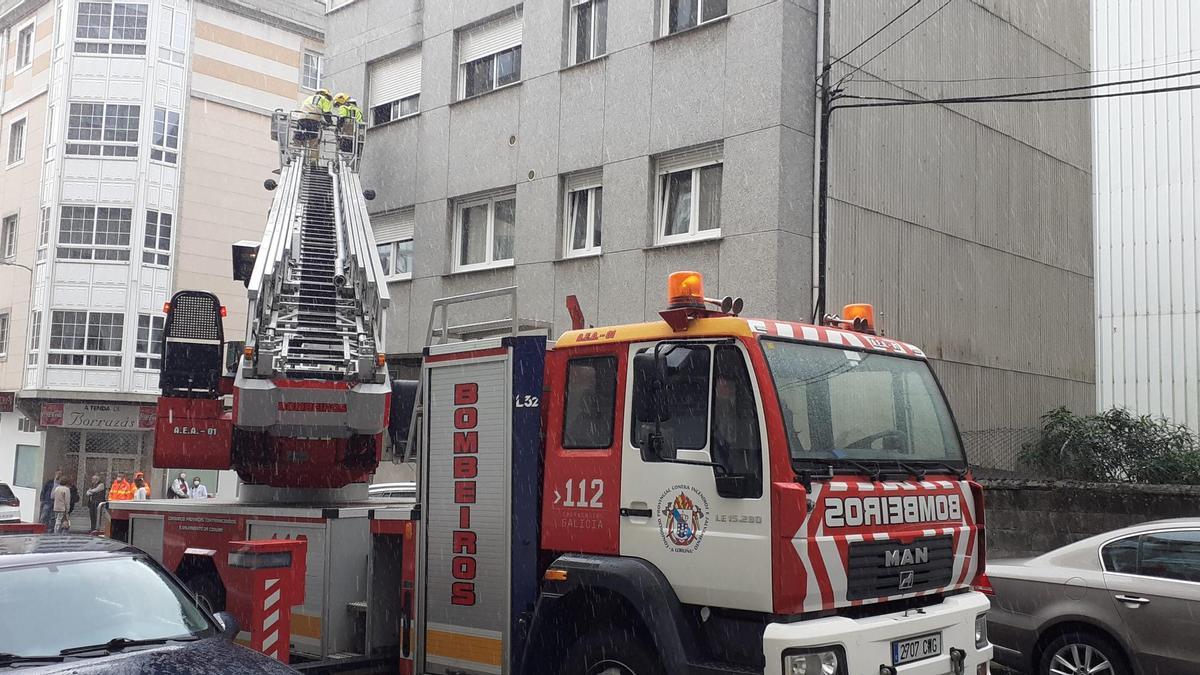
707,528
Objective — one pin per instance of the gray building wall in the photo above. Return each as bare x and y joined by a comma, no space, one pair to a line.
967,227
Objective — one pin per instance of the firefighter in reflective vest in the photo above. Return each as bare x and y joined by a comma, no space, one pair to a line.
314,110
121,490
350,120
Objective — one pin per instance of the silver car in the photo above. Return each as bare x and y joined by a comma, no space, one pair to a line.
1125,602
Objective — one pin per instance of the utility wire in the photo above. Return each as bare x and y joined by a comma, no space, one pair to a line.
880,80
891,103
893,43
1061,90
872,36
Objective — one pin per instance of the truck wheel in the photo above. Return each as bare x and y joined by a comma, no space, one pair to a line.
614,651
1082,651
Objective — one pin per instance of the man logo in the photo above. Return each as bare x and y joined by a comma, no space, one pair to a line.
906,556
906,580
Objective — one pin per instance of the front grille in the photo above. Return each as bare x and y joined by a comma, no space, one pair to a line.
870,575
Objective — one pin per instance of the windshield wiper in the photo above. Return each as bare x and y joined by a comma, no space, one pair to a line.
959,471
119,643
14,659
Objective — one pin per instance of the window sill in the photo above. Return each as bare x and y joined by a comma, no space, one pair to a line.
15,164
27,66
476,97
711,22
397,278
699,239
397,120
581,256
91,262
507,264
581,64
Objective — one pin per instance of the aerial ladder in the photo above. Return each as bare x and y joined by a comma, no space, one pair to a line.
310,387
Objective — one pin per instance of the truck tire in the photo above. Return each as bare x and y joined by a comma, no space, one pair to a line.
614,651
1082,651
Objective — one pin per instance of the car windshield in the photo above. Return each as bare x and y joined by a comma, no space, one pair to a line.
853,405
64,605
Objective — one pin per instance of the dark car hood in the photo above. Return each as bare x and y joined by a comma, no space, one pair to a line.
211,656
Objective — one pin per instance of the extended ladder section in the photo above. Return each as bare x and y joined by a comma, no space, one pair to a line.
317,291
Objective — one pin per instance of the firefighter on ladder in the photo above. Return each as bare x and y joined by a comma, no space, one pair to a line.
315,110
349,120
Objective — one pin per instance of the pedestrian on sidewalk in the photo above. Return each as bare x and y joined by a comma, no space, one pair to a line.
179,487
61,500
121,490
199,490
94,497
46,498
139,492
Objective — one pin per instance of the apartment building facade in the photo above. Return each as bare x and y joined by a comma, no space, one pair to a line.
590,147
137,134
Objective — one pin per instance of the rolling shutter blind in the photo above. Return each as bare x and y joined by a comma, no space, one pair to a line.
396,78
704,154
395,226
584,179
493,36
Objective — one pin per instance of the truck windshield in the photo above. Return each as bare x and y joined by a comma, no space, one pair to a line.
852,405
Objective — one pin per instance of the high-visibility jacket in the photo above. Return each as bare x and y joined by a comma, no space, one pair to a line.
316,106
120,491
351,111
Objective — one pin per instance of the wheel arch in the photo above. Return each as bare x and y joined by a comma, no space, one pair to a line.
1067,624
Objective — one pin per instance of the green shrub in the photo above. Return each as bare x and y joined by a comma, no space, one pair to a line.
1114,446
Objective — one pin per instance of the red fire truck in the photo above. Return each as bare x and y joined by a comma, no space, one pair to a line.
706,493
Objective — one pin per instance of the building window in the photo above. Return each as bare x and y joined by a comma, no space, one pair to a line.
3,335
589,29
590,407
27,469
149,342
395,89
26,426
490,55
165,141
110,130
8,236
111,28
684,14
310,70
394,240
484,229
85,338
156,249
583,211
35,336
16,142
43,243
172,35
94,233
689,195
24,48
50,128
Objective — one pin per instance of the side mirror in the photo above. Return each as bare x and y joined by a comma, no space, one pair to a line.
228,625
656,445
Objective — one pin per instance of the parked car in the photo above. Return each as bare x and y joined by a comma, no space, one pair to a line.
80,604
1125,602
393,491
10,505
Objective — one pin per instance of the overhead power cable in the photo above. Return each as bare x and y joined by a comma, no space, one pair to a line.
1009,78
892,43
872,35
877,102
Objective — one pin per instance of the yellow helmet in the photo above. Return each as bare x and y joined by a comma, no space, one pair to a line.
341,98
323,92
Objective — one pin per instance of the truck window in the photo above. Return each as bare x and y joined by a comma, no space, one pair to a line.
735,441
591,402
687,371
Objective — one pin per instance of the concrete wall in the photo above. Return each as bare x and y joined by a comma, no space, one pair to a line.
1026,518
722,81
969,226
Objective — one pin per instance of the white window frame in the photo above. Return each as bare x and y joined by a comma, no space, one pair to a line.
122,252
128,149
165,152
390,230
155,255
333,5
396,96
74,356
172,35
148,349
665,16
573,26
43,242
5,330
591,184
9,229
24,56
694,232
107,45
394,253
494,50
490,261
23,125
35,335
320,68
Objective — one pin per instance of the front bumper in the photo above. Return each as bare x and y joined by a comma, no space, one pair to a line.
866,643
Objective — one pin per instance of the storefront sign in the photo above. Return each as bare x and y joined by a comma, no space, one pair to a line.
7,399
99,416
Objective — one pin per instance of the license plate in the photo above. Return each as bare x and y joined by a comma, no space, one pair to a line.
916,648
